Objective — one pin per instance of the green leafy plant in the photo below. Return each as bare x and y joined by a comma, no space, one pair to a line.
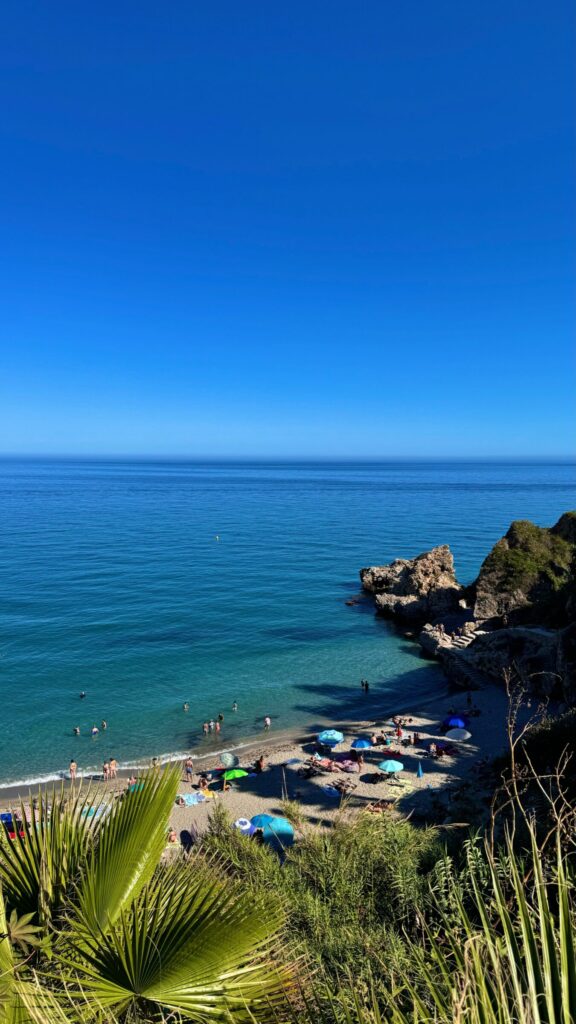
110,934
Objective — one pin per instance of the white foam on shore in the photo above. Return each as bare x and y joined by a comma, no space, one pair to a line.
123,766
267,738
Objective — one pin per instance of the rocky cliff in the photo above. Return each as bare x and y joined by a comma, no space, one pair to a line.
544,661
416,590
529,575
522,608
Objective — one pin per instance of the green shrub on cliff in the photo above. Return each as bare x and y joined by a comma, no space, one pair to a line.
528,552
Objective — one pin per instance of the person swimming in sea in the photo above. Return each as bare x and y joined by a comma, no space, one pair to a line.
76,730
82,695
95,730
234,706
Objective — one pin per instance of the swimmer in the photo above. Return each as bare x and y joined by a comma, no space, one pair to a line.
82,695
234,706
267,722
95,730
76,730
205,728
103,725
185,706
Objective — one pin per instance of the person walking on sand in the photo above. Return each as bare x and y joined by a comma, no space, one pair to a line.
113,767
73,769
267,722
189,769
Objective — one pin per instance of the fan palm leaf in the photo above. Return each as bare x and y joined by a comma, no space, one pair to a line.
130,841
38,865
189,943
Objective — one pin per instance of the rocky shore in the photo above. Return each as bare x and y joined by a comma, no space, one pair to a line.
517,617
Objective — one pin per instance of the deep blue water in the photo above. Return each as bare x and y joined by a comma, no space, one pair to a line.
112,581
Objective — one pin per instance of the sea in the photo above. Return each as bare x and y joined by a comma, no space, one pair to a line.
147,584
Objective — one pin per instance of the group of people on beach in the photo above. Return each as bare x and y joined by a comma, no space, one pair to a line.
109,769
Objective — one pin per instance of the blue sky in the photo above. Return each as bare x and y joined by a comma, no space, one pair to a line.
287,229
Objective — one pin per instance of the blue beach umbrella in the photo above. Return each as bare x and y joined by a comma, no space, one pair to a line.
420,772
261,820
391,767
276,831
361,744
330,737
455,722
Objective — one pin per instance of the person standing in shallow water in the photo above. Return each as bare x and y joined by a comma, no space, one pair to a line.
267,722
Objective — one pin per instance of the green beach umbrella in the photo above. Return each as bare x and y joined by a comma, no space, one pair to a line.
235,773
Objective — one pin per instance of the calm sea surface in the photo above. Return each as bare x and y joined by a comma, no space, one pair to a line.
113,581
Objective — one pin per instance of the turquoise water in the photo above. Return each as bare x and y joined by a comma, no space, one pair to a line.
112,581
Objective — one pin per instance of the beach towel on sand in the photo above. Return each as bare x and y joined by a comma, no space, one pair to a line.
191,799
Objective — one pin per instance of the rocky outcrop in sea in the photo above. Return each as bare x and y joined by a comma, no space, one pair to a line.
517,617
416,590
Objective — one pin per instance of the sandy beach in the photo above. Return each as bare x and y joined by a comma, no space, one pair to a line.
284,756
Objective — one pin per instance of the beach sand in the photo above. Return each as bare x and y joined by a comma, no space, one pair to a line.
263,793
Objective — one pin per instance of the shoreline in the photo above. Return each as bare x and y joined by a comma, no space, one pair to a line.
264,793
293,734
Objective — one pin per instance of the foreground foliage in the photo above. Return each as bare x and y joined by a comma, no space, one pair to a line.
110,933
386,921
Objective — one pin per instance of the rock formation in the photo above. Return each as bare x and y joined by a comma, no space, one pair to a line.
525,576
417,590
544,661
523,607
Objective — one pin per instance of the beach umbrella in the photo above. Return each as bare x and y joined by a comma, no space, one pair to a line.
361,744
458,734
420,772
277,831
229,760
245,826
391,767
235,773
330,737
455,722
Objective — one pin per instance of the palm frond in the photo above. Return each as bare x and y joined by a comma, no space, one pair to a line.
38,866
130,841
189,943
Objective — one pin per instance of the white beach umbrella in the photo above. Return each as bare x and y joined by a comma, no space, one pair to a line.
458,734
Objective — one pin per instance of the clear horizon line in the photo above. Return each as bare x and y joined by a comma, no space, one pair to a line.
167,457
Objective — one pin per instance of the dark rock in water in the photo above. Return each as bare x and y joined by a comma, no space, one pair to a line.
543,660
416,590
529,576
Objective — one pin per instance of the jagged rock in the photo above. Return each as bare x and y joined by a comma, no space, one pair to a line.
543,660
529,575
421,589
